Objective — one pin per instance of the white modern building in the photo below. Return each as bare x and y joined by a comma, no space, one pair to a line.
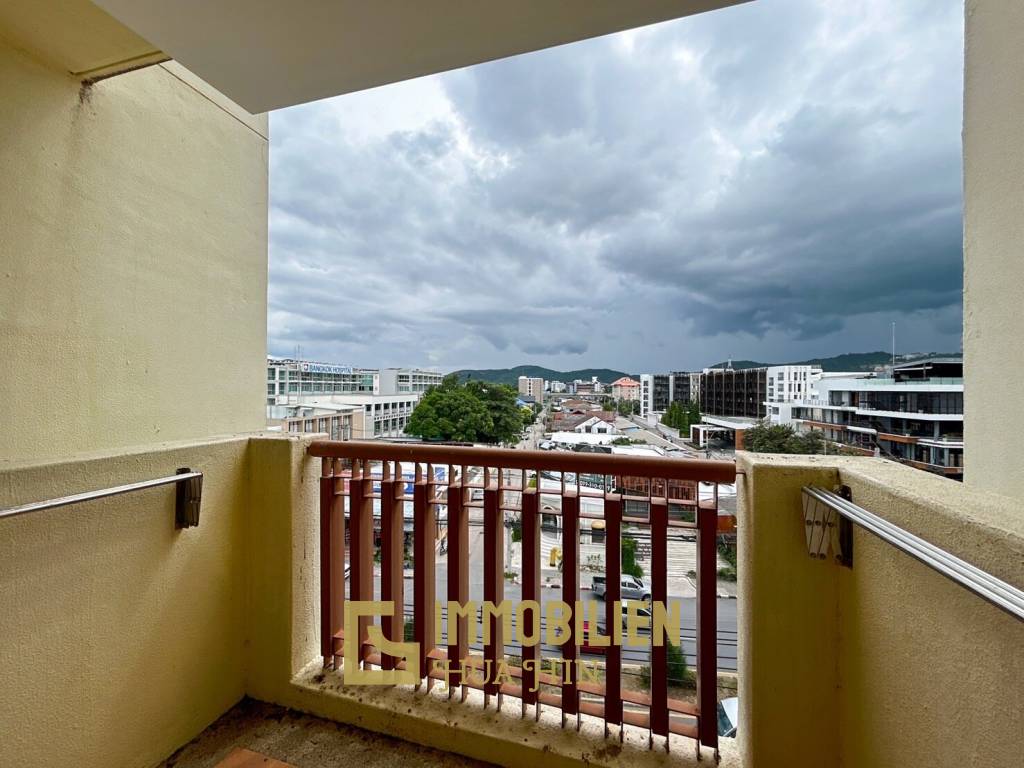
292,382
914,415
385,397
401,381
788,384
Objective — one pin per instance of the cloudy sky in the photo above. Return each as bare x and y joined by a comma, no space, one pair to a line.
773,181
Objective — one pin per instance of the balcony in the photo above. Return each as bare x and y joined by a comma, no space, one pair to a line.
170,628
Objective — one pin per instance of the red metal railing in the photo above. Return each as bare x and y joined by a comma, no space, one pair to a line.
455,489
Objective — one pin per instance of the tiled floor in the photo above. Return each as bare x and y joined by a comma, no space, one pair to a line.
305,742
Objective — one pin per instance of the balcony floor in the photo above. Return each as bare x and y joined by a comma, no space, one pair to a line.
304,742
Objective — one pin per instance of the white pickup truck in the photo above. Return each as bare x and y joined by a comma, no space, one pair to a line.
631,587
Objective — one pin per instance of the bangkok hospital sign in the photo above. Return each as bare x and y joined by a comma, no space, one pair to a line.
561,624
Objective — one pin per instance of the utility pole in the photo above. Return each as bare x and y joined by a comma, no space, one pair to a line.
894,344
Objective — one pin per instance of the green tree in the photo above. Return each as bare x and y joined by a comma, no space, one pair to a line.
676,417
630,567
474,412
678,673
764,437
693,412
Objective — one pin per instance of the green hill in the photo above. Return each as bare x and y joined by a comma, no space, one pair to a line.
511,375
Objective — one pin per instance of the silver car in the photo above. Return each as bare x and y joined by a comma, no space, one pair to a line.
631,588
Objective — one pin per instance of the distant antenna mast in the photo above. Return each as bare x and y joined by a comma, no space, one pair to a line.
893,343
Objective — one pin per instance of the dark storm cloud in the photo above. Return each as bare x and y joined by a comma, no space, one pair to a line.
774,180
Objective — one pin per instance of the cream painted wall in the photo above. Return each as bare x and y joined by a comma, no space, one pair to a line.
133,260
121,638
993,243
887,663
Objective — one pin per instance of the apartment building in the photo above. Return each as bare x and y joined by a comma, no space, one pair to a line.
626,388
658,390
787,384
654,393
532,387
735,393
914,415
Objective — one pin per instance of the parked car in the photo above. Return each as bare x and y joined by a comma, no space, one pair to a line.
631,588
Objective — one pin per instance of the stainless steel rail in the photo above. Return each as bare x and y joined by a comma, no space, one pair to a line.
187,502
984,585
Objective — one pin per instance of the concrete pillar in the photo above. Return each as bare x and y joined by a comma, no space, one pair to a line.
993,238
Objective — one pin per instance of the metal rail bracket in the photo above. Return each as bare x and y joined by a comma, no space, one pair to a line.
825,527
188,497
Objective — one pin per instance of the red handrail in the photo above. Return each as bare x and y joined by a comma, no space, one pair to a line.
348,472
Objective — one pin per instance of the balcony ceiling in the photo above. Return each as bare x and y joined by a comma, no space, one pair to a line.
73,36
268,54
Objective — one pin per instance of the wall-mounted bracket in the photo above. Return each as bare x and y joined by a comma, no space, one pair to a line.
824,527
189,495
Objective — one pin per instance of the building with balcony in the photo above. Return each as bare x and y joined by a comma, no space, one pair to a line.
134,221
787,384
734,393
659,390
914,415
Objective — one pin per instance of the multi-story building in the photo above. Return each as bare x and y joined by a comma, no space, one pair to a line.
915,415
402,381
788,384
339,422
383,415
556,386
681,387
734,393
695,377
655,391
385,397
532,387
626,389
291,381
659,390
